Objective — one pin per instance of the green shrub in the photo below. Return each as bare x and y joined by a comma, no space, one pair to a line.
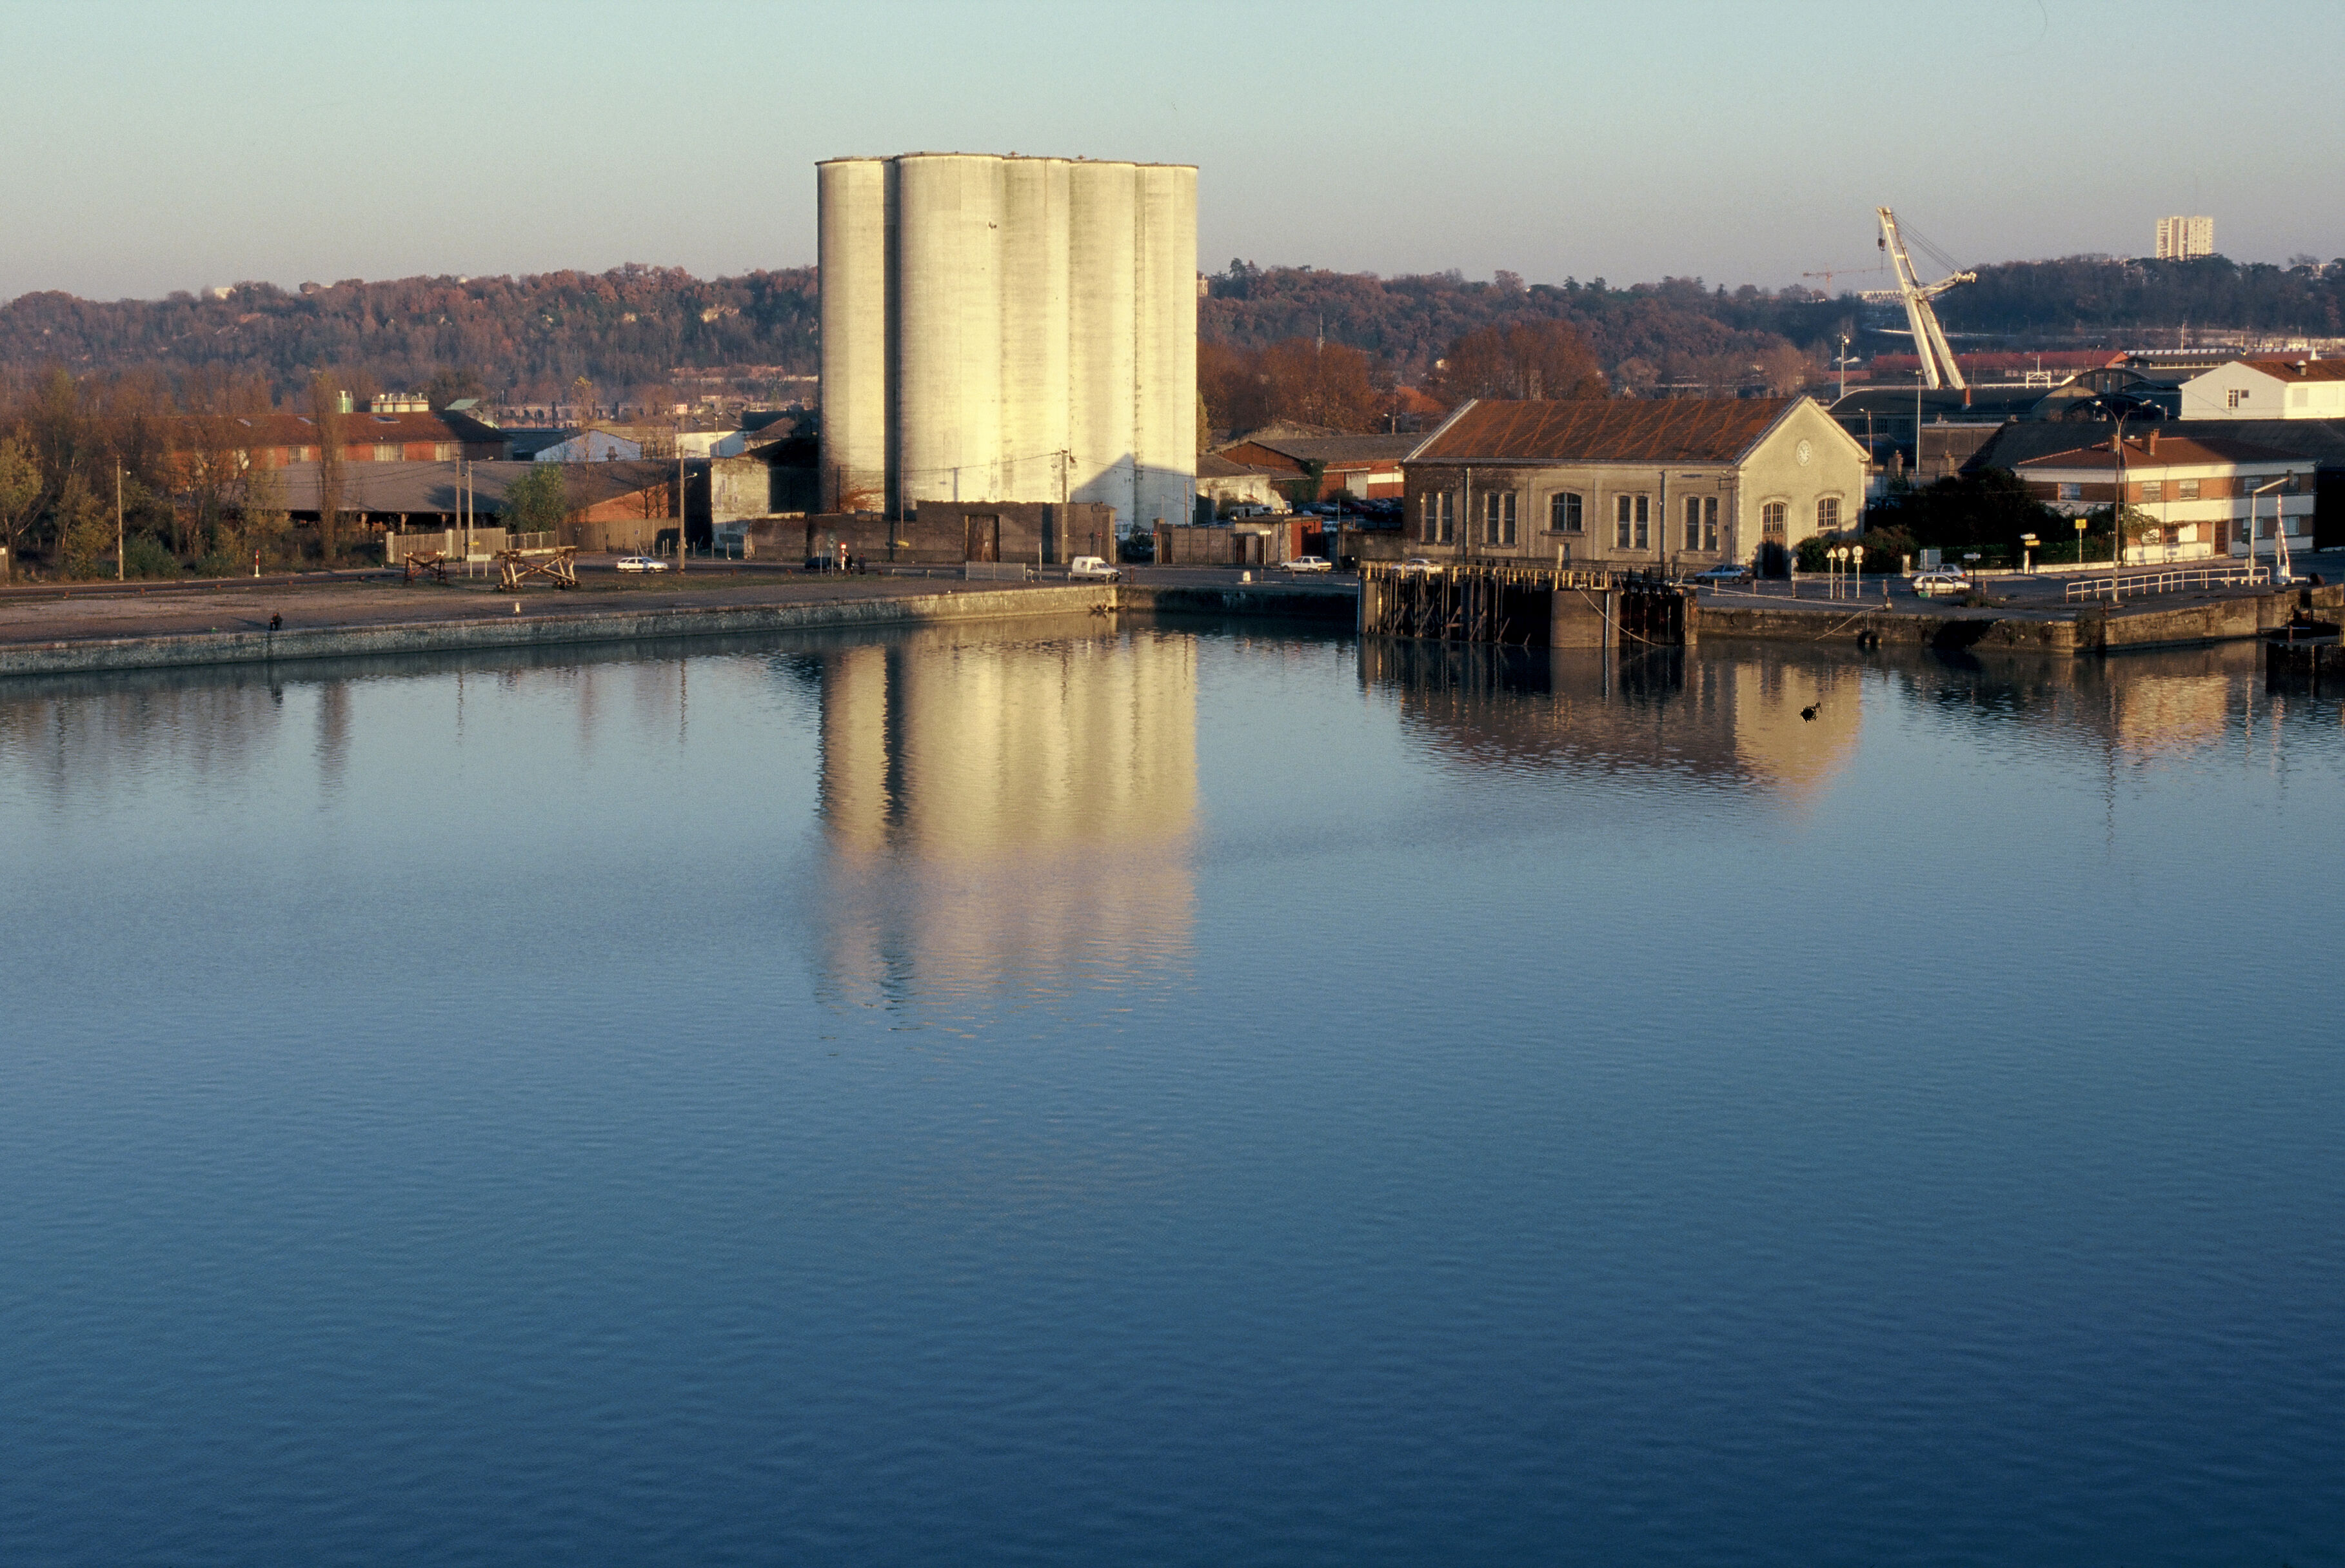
144,555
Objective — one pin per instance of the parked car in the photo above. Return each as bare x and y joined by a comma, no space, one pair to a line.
1416,563
1091,567
639,563
1307,563
1940,580
1724,573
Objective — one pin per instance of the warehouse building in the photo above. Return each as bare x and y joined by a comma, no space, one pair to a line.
1683,482
1008,329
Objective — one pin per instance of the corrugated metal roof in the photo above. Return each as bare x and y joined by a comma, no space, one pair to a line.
1337,449
300,430
431,487
1671,430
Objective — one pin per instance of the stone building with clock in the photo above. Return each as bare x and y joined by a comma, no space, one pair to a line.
1681,484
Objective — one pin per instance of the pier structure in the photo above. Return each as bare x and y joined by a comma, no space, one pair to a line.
1526,606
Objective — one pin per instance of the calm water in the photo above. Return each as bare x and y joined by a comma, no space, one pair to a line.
1038,1095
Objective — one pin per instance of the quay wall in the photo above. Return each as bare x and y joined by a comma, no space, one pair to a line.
1238,599
2094,630
539,629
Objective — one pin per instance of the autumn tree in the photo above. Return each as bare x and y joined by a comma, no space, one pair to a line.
1231,383
21,494
84,527
1520,360
1329,384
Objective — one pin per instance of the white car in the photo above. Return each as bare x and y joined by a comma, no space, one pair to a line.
1416,563
1093,568
1307,563
1940,580
639,563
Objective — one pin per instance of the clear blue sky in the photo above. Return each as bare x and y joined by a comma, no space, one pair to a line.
160,147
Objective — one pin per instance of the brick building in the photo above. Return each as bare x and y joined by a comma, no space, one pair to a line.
2197,493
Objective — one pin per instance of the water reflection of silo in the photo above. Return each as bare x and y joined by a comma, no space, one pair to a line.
1017,810
1706,717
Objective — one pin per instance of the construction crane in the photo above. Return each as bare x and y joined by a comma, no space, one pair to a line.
1829,273
1938,366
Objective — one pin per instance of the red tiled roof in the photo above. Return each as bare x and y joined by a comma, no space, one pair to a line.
1668,430
2302,369
2173,452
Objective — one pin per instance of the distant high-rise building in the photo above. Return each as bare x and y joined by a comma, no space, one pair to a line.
2181,238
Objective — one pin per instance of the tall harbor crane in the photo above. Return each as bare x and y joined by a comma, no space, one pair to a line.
1938,366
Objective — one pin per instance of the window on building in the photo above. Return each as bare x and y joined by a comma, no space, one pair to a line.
1774,517
1563,514
2234,397
1709,524
443,451
1693,522
2072,491
1499,518
385,451
2291,484
2186,490
1633,520
1828,514
2153,489
1436,508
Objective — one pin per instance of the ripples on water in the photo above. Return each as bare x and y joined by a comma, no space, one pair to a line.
1219,1096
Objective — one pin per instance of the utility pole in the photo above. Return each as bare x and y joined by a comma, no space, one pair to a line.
119,564
679,495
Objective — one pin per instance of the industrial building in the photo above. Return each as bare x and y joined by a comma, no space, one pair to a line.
1686,482
1005,329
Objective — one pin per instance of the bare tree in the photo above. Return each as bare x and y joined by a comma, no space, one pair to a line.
326,414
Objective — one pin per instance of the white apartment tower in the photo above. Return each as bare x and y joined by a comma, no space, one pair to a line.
2181,238
1009,329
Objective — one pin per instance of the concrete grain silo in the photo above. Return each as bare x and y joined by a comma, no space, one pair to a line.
855,198
1009,329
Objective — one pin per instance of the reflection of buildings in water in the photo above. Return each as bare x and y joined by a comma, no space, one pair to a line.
86,733
1705,717
2172,712
1005,808
2150,702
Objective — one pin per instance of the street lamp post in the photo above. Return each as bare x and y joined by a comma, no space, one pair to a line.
2285,572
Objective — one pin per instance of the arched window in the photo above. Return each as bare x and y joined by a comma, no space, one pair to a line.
1772,517
1828,514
